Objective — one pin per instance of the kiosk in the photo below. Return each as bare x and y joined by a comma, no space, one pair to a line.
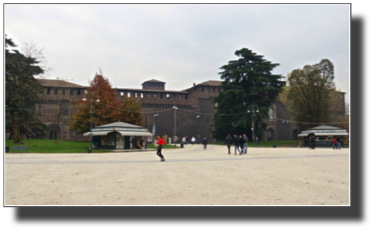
324,135
119,135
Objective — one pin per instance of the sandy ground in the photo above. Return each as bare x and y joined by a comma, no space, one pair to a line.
189,176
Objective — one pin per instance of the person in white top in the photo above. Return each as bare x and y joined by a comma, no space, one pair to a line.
193,140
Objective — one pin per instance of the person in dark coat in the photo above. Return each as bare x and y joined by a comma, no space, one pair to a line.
204,142
241,143
228,142
313,143
236,143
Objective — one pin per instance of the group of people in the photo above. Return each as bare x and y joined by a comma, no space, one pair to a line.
185,140
336,143
240,141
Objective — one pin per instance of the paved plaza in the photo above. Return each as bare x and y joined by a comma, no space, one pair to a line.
189,176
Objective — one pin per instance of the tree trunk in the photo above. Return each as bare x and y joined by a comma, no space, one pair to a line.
16,130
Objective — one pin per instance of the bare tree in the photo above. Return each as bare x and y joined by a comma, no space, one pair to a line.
30,49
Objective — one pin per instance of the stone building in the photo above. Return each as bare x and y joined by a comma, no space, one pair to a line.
193,116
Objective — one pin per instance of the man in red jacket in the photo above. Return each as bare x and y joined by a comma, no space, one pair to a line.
160,146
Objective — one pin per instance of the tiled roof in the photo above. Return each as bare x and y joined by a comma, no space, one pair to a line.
153,81
58,83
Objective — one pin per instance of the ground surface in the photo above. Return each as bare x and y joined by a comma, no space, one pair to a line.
189,176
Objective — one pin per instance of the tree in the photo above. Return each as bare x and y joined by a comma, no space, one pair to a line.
22,94
103,112
30,49
247,81
131,112
308,97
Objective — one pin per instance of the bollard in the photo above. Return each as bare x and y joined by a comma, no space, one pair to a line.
182,145
89,150
274,145
7,149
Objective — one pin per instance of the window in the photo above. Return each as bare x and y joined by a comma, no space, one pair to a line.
122,94
148,95
128,94
48,90
64,91
141,95
270,113
56,90
208,90
186,96
154,95
78,91
167,95
213,89
202,88
71,91
136,95
161,95
179,96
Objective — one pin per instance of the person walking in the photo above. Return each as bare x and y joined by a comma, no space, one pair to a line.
236,143
186,140
338,143
228,142
160,146
313,143
334,143
193,140
257,141
204,142
241,143
245,143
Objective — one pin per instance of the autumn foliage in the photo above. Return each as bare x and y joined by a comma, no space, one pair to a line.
103,112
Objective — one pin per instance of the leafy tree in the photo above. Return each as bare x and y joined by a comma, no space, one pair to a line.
103,112
131,112
22,94
309,95
247,81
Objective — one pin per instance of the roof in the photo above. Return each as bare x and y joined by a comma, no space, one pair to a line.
325,127
119,124
206,83
58,83
150,90
211,83
153,81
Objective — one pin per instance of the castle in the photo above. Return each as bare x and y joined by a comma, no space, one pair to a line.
193,116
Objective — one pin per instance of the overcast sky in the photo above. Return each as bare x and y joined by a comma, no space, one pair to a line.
180,44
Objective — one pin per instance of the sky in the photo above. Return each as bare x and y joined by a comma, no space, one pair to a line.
179,44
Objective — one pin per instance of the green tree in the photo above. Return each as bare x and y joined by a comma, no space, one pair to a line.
22,94
309,96
103,112
131,112
247,81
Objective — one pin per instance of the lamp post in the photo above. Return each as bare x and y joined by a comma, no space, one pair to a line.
253,121
175,108
285,122
154,125
197,129
90,126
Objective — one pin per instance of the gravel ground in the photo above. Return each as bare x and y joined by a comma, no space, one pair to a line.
189,176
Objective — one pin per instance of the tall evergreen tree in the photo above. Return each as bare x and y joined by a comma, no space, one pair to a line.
22,94
247,81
